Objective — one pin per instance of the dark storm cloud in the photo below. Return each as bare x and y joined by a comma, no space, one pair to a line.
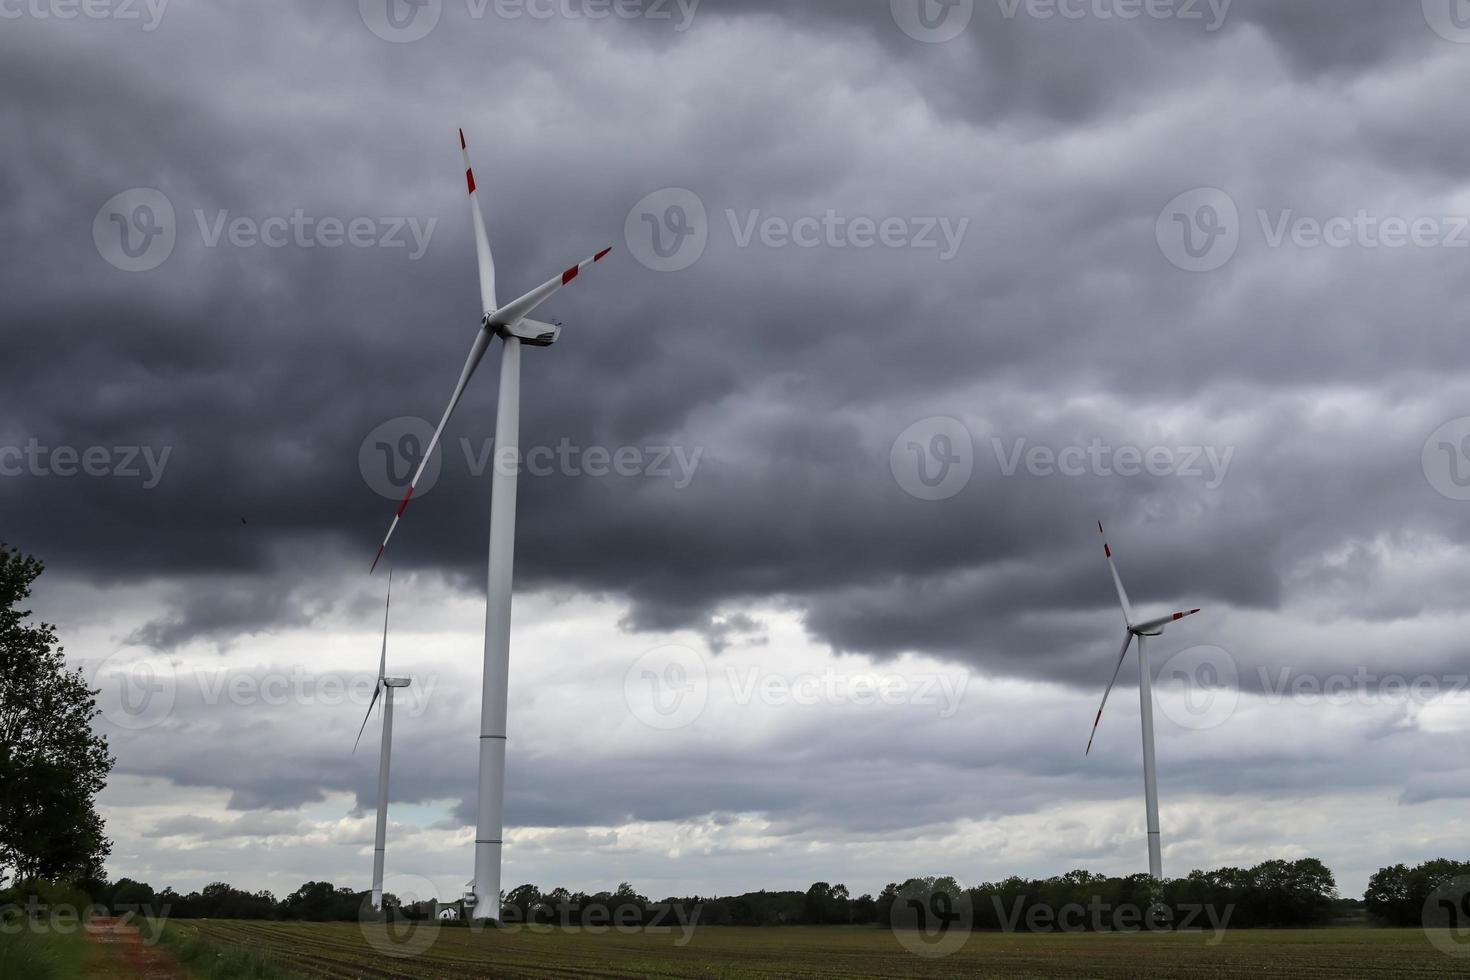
792,371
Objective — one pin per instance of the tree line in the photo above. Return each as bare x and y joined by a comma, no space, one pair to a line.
1273,894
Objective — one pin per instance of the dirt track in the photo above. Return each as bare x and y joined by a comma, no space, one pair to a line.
121,955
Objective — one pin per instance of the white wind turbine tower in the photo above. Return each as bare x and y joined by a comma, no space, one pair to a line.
386,686
509,323
1152,627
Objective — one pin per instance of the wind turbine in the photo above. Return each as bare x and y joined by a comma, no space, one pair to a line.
509,323
389,685
1139,630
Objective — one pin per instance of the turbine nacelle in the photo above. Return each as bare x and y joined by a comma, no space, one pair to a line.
532,333
396,682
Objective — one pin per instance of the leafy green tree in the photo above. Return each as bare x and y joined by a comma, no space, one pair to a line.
52,764
1397,896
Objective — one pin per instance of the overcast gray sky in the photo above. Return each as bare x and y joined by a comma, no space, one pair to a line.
905,298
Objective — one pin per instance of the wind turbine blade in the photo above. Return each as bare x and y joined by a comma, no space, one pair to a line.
377,689
482,241
383,659
1122,595
1162,621
1127,639
517,310
477,354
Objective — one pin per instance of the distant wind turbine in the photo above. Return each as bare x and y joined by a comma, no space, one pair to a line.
1152,627
509,323
389,685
